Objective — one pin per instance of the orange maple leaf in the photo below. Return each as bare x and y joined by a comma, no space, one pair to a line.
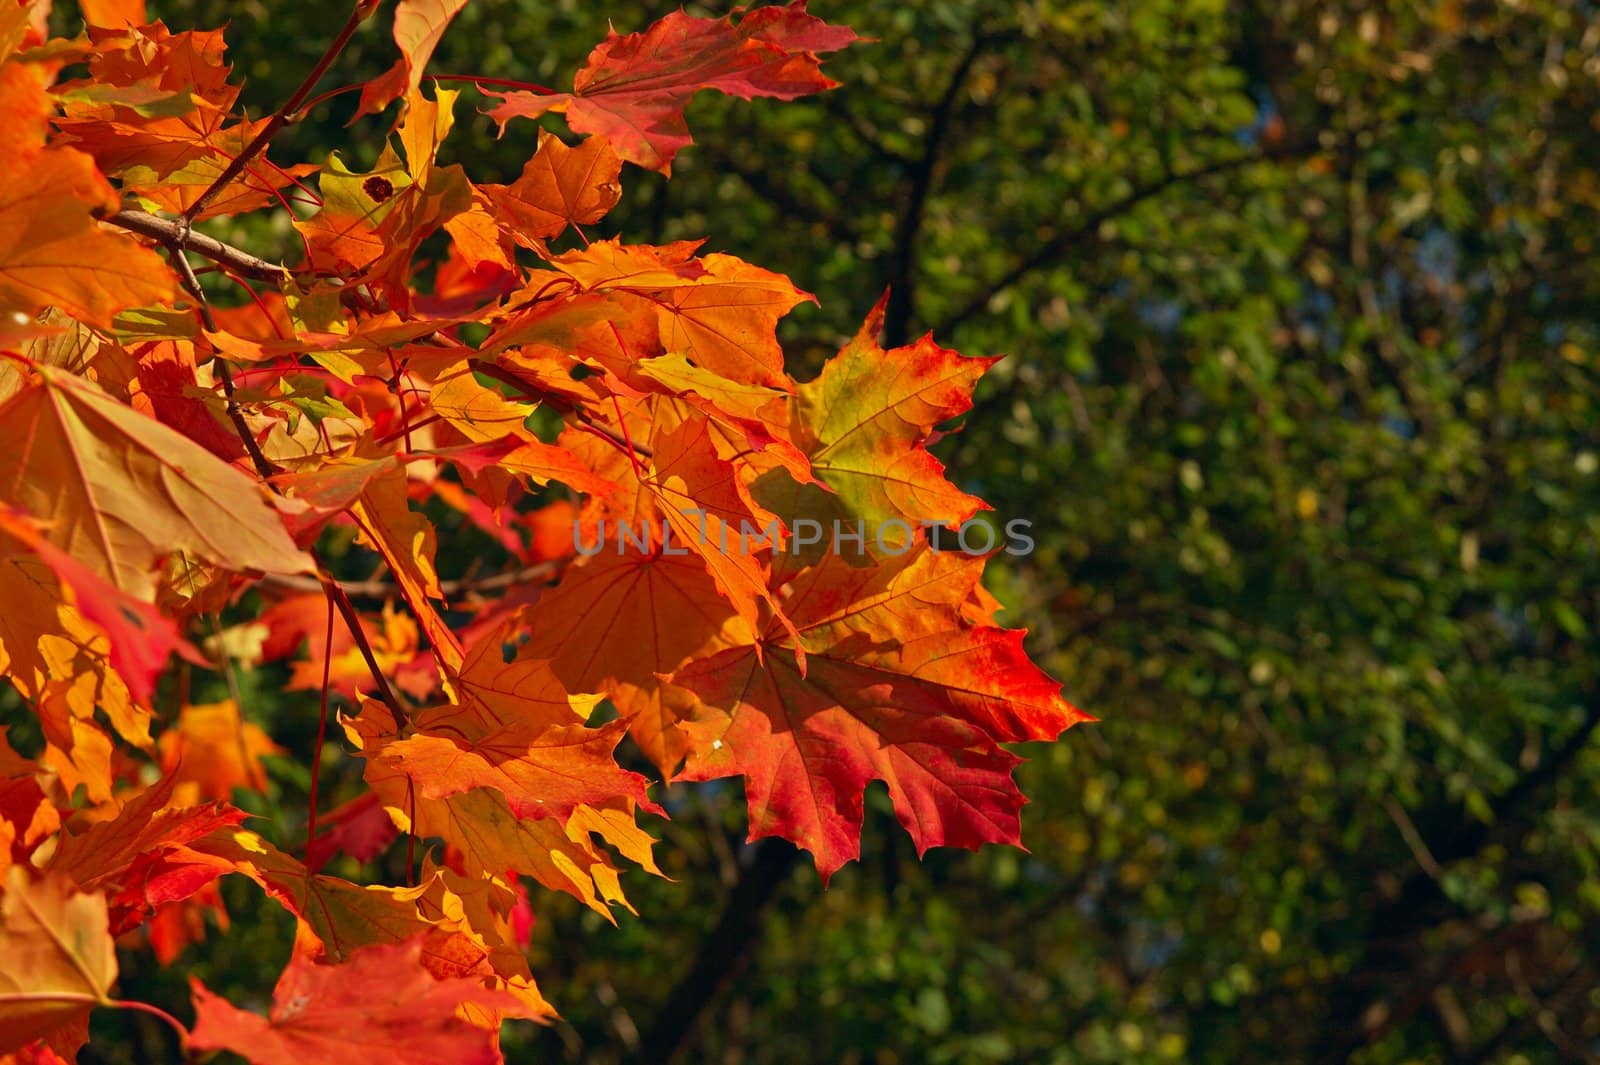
403,1012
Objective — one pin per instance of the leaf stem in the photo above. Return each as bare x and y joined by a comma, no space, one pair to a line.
341,601
154,1011
322,734
322,98
505,83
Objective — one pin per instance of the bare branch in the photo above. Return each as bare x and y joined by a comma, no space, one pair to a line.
173,233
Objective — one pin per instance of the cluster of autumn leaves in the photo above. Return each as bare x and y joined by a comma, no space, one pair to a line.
163,461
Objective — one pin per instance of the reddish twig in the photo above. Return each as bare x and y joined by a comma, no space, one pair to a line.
322,735
352,620
633,459
405,430
154,1011
382,590
322,98
359,14
255,298
503,83
400,398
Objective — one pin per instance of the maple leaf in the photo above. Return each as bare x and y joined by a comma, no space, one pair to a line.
360,828
406,540
898,687
342,917
625,615
59,961
27,815
492,839
718,310
381,997
140,856
634,88
418,26
374,222
750,424
60,662
683,498
167,386
155,113
174,926
517,730
120,491
212,750
113,13
864,425
141,638
52,251
376,496
560,186
479,413
526,456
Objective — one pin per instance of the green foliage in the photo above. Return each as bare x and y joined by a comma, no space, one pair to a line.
1302,405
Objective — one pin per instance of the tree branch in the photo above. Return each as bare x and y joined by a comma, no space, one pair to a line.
266,470
903,262
1091,223
172,234
1412,909
759,180
722,953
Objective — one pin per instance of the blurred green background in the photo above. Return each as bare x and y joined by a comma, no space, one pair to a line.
1301,303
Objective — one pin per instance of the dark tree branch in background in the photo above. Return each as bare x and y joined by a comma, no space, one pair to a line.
1415,907
863,129
723,952
1065,238
759,180
903,255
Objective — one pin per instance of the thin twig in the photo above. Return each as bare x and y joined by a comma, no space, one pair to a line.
505,83
154,1011
1091,223
266,470
381,589
347,610
172,233
1413,838
322,735
359,14
263,466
